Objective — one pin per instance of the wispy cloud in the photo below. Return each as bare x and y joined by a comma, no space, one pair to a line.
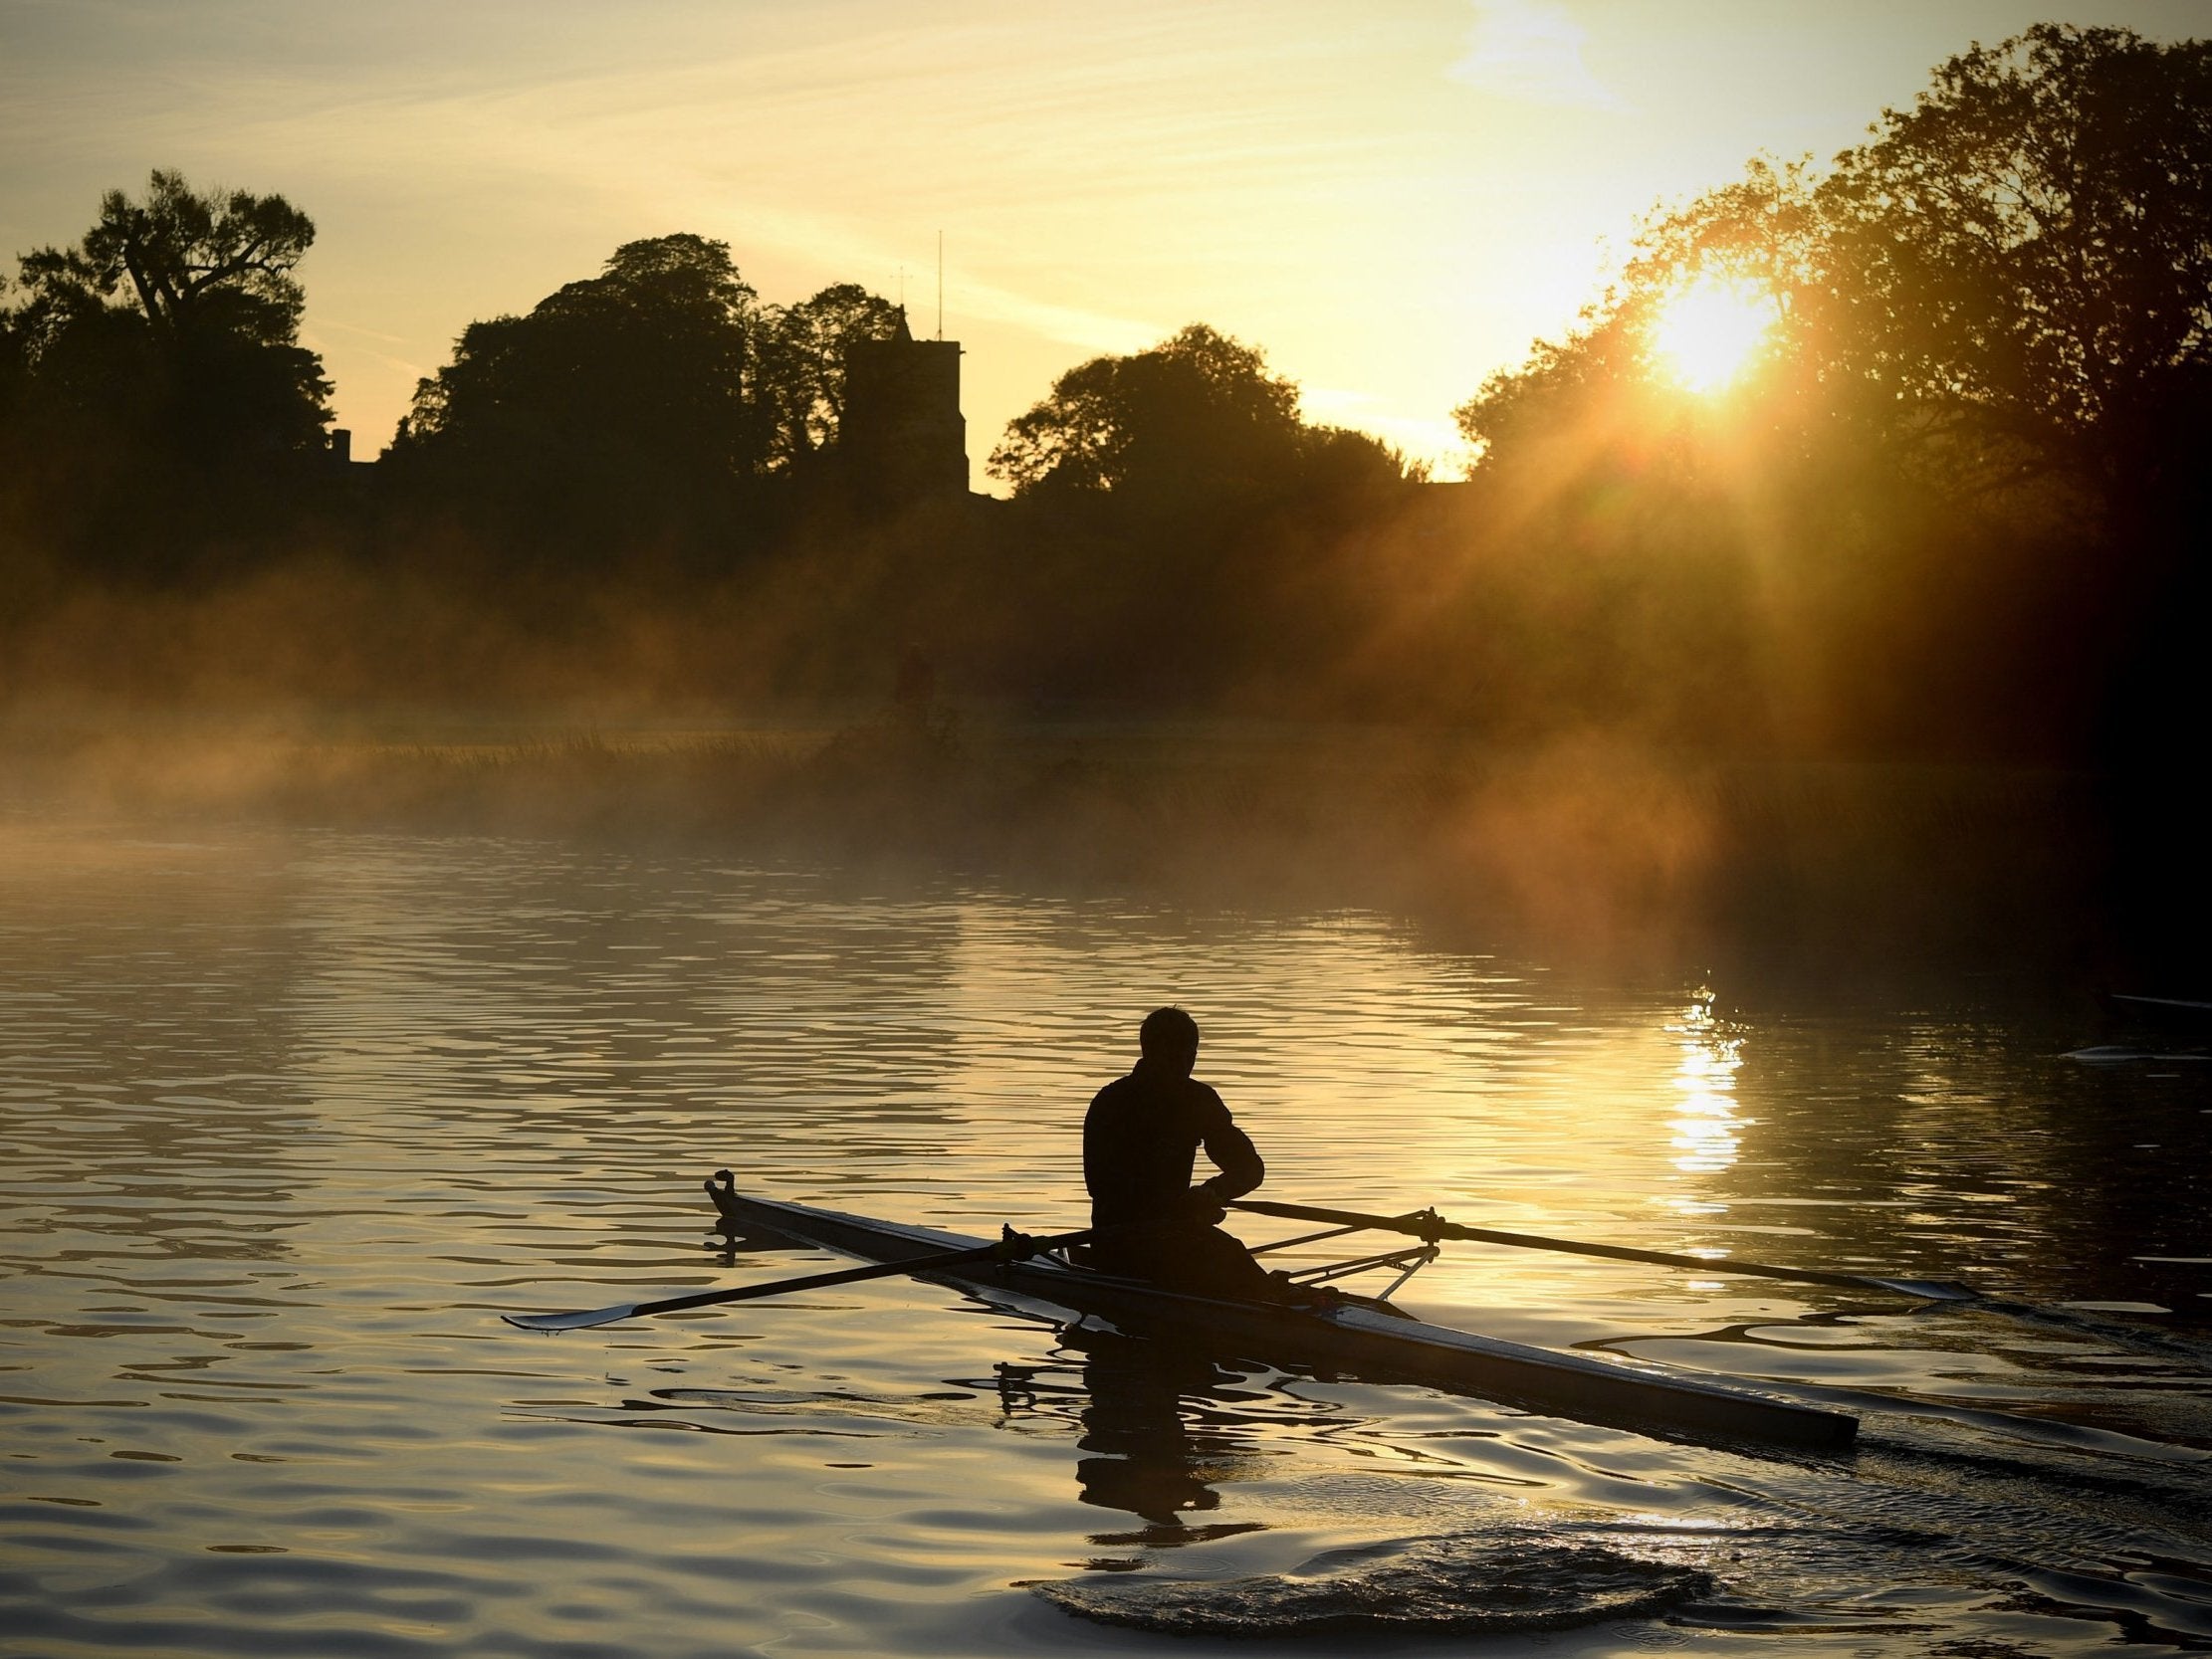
406,369
1530,50
366,334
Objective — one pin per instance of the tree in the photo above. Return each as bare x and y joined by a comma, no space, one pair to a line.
2011,283
804,364
1345,461
630,396
2026,254
1967,477
1197,414
174,322
1190,539
194,262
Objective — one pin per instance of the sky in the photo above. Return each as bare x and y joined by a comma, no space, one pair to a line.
1393,200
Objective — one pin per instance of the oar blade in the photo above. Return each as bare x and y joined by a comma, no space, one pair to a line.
1930,1289
583,1319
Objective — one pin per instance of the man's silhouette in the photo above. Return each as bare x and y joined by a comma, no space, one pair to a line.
1140,1142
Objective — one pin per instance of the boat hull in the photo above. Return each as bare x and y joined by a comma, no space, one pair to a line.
1363,1339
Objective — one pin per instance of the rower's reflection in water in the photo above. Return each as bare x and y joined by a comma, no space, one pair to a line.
1158,1431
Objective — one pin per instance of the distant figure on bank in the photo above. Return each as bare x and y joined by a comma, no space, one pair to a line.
1140,1142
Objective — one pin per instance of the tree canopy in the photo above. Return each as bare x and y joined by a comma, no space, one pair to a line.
641,370
1197,412
2026,252
803,367
1965,472
2011,281
635,402
193,261
174,322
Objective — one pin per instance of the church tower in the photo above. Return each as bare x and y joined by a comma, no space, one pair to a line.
904,437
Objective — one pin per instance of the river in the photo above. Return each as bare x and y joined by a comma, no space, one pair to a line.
292,1116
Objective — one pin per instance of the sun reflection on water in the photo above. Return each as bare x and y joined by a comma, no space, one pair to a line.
1705,1124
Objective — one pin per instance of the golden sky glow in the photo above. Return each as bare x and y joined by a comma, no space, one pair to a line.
1392,199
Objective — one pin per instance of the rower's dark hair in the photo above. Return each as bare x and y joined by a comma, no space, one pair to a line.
1168,1033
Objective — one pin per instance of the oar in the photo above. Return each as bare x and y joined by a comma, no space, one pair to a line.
1429,1226
1013,1247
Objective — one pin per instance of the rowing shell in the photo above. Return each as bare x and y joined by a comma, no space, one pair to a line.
1354,1336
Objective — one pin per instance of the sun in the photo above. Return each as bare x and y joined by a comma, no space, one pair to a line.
1708,332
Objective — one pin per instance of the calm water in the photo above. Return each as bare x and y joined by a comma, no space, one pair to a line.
290,1116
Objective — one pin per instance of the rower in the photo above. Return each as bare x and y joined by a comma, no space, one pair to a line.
1141,1139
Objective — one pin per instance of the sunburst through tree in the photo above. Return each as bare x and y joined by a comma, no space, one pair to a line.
1708,334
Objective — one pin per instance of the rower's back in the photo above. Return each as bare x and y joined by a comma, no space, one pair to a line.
1140,1140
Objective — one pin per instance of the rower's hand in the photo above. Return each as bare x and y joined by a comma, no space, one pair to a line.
1204,1206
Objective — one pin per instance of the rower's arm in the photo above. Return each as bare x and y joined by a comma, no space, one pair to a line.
1238,1160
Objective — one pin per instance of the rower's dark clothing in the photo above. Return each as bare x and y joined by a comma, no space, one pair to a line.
1140,1140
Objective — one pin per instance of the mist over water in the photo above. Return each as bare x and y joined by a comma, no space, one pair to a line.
293,1114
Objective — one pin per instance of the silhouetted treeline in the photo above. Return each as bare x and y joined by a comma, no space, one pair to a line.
1952,510
658,409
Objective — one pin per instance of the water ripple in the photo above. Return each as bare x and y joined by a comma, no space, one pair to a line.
289,1116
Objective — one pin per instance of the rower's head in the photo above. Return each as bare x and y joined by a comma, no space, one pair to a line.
1169,1041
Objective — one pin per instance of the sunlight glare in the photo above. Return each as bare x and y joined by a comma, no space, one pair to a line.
1705,1138
1708,334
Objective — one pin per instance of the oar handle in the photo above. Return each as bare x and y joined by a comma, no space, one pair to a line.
1429,1226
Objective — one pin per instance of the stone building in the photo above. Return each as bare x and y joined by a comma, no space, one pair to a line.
904,437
